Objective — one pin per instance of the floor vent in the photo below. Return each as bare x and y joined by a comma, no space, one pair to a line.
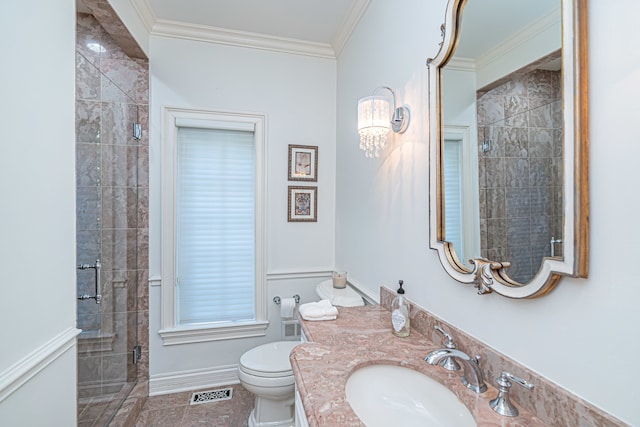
211,396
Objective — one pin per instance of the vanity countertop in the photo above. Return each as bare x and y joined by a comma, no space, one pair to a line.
361,336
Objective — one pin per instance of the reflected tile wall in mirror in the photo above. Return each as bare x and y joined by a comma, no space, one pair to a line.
521,176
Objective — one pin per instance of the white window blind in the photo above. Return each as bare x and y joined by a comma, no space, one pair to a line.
453,193
215,226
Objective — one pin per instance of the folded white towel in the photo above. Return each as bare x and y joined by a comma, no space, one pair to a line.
321,310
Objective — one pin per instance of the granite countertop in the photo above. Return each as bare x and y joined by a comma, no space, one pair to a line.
361,336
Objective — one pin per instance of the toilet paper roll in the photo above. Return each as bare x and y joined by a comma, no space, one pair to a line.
287,305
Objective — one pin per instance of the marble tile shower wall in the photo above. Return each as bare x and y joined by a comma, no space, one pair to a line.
521,175
112,209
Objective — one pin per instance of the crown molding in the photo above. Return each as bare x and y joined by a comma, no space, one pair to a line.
145,13
527,33
349,23
532,30
183,30
461,64
241,38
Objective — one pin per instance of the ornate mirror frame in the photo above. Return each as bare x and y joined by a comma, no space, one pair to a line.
490,276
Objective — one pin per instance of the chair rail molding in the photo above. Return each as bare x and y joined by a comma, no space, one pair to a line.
26,368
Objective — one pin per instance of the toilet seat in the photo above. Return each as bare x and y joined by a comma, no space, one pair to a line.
269,360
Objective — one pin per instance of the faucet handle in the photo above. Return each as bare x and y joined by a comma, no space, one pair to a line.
506,376
448,363
449,339
502,403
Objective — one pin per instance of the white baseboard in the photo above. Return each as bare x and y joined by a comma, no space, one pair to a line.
193,380
28,367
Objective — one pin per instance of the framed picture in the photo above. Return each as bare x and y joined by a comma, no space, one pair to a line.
303,204
303,163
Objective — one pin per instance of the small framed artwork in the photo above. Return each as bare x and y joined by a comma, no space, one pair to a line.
303,163
303,204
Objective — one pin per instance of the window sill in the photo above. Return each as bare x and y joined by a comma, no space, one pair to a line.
204,333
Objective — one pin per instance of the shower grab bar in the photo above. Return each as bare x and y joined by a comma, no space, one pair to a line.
98,296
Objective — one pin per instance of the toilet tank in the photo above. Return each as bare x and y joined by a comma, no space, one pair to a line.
346,297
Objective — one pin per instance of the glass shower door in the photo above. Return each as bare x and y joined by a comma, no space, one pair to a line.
107,224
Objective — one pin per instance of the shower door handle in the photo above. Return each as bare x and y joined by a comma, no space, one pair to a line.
98,296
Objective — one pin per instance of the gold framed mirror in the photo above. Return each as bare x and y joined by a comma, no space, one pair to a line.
509,144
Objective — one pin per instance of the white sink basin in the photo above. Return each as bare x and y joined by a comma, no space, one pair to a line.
390,395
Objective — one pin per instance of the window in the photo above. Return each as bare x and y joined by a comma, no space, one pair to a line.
461,192
213,284
453,193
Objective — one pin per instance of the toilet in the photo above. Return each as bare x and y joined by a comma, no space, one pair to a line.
345,297
266,372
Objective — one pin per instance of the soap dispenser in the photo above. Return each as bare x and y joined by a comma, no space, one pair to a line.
400,320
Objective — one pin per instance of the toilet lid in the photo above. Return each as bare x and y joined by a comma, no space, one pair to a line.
346,297
268,360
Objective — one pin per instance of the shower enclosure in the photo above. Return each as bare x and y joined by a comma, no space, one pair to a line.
111,221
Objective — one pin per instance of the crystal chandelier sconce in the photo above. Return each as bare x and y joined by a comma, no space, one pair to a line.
375,121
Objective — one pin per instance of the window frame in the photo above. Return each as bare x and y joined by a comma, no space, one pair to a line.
171,332
470,226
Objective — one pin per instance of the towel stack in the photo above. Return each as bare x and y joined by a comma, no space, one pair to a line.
321,310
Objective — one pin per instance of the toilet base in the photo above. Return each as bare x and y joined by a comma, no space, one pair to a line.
272,413
253,423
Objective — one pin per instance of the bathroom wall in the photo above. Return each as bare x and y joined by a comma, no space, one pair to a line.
520,176
382,207
37,218
297,93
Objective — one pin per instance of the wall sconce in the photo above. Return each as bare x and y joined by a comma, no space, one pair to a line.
375,121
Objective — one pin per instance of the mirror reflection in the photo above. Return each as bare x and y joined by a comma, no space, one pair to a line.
503,133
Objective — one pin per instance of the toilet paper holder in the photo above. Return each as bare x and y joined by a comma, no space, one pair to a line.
295,297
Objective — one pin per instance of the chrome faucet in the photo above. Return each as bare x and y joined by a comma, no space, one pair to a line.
472,377
448,363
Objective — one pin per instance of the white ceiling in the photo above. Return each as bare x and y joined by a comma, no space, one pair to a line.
315,27
489,23
308,20
310,27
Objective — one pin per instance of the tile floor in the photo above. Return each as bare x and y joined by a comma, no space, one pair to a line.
97,410
173,410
